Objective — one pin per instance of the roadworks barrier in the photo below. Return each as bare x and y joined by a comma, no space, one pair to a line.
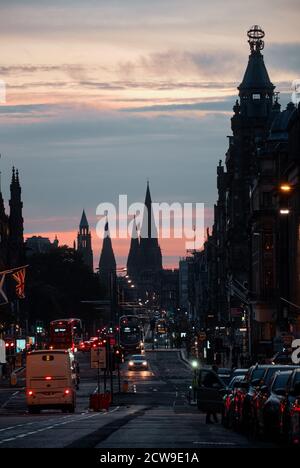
100,401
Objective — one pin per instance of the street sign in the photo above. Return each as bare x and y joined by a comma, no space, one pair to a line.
98,358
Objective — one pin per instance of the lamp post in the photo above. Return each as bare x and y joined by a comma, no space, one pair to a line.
195,366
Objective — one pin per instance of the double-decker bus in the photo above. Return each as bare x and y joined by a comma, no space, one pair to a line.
131,334
65,334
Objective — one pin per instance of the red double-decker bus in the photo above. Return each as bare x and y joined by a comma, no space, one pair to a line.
66,334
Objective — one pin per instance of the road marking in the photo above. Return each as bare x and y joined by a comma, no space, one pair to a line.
21,436
10,398
34,422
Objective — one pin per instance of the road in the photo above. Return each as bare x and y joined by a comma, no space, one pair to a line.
155,413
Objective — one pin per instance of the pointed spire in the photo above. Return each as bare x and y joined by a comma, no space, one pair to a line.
256,76
13,179
148,200
84,222
133,260
17,177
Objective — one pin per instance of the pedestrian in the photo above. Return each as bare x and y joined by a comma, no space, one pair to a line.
210,379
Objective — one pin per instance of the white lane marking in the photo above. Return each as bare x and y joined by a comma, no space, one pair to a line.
34,422
10,398
54,425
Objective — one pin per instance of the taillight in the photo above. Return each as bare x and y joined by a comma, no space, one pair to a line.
67,391
48,378
30,393
296,408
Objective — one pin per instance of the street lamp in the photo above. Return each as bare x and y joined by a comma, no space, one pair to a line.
284,211
285,188
194,384
194,364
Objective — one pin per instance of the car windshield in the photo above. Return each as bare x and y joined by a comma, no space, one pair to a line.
257,374
270,372
225,379
235,379
297,377
281,381
138,357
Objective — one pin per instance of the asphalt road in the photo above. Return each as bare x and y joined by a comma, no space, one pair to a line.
154,414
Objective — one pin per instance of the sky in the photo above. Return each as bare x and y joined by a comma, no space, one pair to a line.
101,96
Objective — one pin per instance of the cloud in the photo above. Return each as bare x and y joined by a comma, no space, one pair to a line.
284,57
25,108
224,105
217,63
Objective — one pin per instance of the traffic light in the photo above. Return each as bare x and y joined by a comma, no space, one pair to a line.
118,355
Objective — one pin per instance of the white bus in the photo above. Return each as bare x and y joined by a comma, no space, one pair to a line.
51,380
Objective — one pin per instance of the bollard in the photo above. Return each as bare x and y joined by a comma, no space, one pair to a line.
13,379
125,386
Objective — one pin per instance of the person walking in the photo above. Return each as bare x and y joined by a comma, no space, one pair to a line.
210,379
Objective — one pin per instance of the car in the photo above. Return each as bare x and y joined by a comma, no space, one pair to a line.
282,357
138,362
290,422
225,374
85,346
244,395
210,391
228,413
272,409
260,396
237,372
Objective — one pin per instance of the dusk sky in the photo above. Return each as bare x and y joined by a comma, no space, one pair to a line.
103,95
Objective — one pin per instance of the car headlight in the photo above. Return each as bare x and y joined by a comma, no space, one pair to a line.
131,363
144,363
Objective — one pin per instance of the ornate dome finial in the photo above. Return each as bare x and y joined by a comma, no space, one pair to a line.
256,35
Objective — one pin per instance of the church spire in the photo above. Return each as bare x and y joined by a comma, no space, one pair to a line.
84,222
16,221
107,262
84,242
133,261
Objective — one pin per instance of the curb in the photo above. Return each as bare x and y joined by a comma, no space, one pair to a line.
184,359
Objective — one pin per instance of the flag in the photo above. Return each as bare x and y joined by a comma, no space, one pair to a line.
19,277
3,297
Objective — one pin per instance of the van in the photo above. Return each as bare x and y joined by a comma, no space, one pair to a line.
51,380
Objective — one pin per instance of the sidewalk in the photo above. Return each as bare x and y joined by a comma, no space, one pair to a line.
20,379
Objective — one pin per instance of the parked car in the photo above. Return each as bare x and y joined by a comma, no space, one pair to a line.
244,395
290,423
259,397
271,414
282,357
225,374
237,372
229,400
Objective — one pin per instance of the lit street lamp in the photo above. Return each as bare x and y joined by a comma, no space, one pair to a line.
195,365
